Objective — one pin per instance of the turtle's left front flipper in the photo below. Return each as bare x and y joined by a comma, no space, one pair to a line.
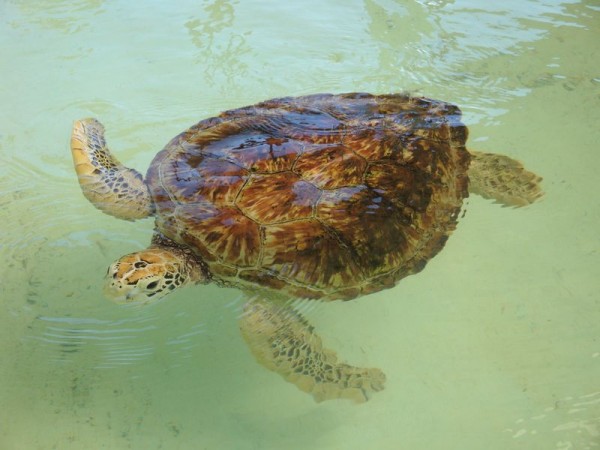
110,186
284,342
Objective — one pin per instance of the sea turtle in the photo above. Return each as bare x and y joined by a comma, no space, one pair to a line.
318,197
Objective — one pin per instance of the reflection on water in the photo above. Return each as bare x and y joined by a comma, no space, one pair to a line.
581,411
222,50
67,17
491,346
471,49
70,335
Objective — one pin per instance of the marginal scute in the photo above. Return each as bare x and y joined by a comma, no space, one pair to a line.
262,278
323,196
222,271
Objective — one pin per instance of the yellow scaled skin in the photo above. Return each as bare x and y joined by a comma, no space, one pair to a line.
111,187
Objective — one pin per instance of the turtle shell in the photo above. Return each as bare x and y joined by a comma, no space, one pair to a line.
323,196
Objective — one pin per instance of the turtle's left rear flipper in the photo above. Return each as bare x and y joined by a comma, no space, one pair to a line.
284,342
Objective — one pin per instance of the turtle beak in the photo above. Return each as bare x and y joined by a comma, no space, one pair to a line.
116,293
124,296
123,293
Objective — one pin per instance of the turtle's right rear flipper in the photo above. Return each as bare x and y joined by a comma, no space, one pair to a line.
503,179
284,342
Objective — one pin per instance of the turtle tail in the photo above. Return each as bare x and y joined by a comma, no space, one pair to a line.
110,186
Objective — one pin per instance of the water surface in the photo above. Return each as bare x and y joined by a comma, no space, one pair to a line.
494,345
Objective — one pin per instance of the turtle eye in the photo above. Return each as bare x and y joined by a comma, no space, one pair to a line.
152,285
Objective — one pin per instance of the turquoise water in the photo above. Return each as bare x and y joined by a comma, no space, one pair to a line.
494,345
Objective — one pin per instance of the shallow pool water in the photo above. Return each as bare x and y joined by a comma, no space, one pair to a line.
494,345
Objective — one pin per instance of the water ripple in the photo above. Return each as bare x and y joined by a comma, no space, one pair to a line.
112,343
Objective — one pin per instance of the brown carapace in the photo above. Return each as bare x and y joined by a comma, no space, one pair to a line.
325,196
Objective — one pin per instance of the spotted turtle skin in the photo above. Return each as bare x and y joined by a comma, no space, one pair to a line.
323,196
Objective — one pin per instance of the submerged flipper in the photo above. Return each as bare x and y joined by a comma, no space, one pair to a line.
503,179
284,342
108,184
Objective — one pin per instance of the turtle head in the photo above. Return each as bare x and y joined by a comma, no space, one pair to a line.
147,276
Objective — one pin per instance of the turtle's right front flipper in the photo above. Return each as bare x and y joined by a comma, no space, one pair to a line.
284,342
108,184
